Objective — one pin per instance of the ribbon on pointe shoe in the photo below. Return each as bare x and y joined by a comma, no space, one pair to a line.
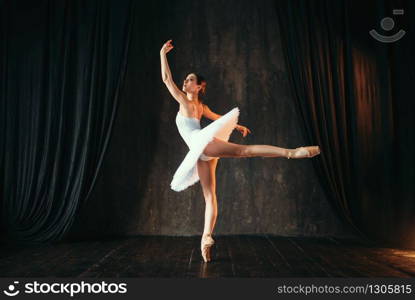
205,245
207,240
302,152
299,153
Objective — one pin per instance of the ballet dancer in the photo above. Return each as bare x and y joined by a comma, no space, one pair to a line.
209,144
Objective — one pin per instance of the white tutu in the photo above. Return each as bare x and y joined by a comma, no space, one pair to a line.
197,139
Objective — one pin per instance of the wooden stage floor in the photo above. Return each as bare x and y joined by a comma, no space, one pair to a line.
260,256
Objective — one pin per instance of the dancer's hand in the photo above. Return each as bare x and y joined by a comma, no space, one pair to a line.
166,47
243,130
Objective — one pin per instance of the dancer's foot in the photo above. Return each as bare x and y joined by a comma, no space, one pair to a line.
303,152
205,245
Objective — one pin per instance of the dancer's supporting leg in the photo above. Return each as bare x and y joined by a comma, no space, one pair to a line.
220,148
206,172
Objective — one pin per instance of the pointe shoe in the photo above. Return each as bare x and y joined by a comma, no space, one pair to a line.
303,152
205,245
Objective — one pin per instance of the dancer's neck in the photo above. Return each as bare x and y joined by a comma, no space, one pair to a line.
193,97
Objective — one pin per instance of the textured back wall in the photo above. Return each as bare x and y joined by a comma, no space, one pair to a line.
236,46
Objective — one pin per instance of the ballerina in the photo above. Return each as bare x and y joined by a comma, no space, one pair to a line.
209,144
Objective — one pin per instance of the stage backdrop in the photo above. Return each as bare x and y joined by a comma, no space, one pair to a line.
300,74
355,98
236,46
62,64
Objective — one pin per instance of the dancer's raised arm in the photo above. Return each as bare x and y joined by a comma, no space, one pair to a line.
167,77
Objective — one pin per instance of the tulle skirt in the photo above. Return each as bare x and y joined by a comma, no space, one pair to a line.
187,174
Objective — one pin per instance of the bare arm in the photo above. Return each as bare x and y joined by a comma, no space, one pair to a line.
207,113
165,69
167,77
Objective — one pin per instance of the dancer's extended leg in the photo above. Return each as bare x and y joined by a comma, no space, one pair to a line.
220,148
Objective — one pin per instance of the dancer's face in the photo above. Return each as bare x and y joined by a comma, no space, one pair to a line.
190,84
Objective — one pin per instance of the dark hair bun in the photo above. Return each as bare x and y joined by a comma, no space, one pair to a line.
203,89
202,81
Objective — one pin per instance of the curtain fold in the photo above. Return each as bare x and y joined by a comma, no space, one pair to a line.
62,66
353,95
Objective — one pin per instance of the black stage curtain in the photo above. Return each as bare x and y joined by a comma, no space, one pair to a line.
355,99
62,66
